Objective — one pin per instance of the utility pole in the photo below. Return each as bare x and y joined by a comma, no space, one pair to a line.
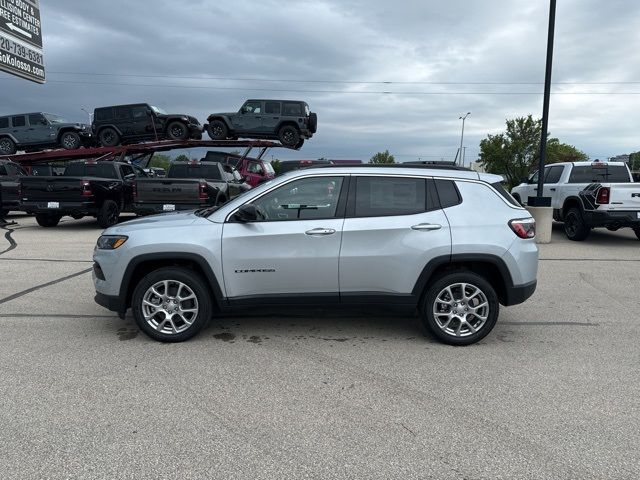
462,134
539,199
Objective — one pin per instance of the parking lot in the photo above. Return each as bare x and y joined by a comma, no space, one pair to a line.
552,392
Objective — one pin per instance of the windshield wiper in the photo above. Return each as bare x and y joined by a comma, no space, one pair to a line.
204,212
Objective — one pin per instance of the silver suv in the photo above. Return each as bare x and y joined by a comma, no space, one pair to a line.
452,243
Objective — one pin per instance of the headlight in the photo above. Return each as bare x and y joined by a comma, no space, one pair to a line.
110,242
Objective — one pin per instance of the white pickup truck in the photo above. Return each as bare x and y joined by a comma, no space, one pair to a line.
586,195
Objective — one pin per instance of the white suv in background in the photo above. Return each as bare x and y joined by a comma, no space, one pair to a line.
451,243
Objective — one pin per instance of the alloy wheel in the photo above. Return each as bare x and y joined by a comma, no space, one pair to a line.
461,309
170,306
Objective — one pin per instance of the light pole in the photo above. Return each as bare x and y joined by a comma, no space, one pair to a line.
89,114
462,135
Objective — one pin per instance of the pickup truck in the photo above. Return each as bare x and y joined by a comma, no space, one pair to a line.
10,174
99,189
587,195
188,186
253,170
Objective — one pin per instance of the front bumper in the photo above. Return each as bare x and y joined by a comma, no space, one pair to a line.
111,302
613,218
195,131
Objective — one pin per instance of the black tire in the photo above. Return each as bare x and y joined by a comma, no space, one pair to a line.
70,141
109,214
574,227
4,213
218,130
447,333
157,327
108,137
47,220
313,122
637,232
299,144
7,146
289,136
177,131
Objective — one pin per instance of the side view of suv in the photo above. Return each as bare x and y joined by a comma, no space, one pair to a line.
289,121
32,131
454,244
141,121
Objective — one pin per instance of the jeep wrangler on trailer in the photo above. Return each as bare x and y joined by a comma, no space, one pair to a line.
34,131
289,121
139,122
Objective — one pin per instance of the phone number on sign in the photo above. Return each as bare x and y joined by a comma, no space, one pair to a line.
21,51
7,59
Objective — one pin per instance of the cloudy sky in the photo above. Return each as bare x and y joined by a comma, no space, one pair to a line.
443,59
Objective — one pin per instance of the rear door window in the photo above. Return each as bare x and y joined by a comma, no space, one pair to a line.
19,121
4,122
123,113
554,174
272,108
448,193
386,196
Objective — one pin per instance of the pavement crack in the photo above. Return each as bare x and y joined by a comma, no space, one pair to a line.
43,285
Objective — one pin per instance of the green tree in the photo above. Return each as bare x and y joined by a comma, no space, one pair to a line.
182,158
275,163
634,161
563,152
160,160
382,157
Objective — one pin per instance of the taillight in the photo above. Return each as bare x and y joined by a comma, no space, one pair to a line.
134,190
203,194
85,186
603,195
523,227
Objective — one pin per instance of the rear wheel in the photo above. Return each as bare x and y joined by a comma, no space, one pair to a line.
299,144
171,304
4,213
460,308
108,214
47,220
70,141
177,131
108,137
637,232
574,225
218,130
7,146
289,136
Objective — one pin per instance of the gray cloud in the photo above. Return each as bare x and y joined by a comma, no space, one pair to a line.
374,41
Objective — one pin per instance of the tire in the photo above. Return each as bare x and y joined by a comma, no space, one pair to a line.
70,141
7,146
164,287
47,220
108,214
217,130
438,316
574,227
177,131
4,213
313,122
108,137
637,232
289,136
299,144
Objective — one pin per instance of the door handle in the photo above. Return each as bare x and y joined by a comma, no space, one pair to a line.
320,231
257,116
552,189
426,226
535,189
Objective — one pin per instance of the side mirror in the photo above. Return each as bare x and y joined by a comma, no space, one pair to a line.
247,213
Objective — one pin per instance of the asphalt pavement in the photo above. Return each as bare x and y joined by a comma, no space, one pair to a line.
551,393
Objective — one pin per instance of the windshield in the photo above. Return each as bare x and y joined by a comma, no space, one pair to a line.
269,168
55,118
158,110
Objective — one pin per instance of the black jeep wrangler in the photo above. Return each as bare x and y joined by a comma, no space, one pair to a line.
139,122
289,121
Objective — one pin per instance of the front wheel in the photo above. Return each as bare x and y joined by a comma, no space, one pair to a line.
574,225
177,131
48,220
460,308
70,141
171,304
108,214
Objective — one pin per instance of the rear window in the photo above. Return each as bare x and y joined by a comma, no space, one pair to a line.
591,173
195,171
448,193
292,109
102,114
98,170
506,195
4,122
385,196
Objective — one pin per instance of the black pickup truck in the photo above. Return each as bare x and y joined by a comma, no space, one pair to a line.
99,189
10,174
188,186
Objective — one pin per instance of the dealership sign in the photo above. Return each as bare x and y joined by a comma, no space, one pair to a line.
21,39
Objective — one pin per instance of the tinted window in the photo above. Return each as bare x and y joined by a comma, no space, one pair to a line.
553,174
3,170
590,174
20,121
252,107
139,113
292,109
448,193
12,169
381,196
272,107
302,199
37,119
4,122
506,195
254,167
195,171
101,114
126,170
100,170
123,113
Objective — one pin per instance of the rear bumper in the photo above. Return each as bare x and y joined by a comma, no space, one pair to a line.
519,293
153,208
64,208
612,218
